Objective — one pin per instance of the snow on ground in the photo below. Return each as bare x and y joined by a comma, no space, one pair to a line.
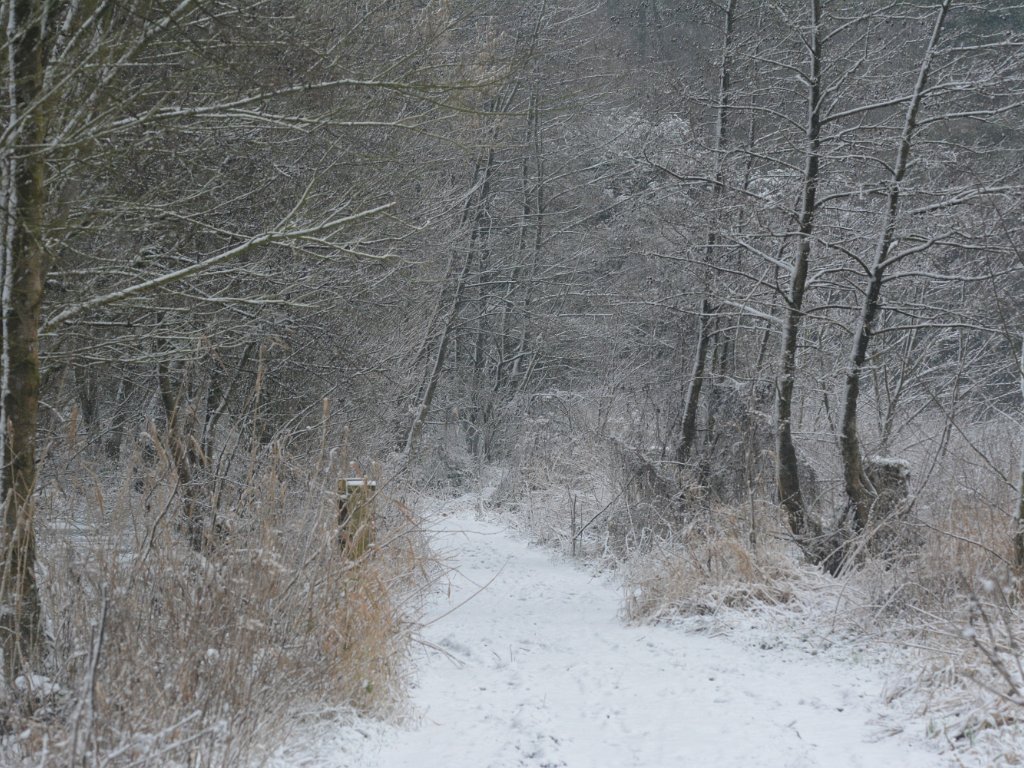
527,663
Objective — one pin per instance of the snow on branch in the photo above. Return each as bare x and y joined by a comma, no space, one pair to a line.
267,238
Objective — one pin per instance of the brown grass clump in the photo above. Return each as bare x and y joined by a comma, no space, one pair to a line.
163,656
965,542
963,528
708,567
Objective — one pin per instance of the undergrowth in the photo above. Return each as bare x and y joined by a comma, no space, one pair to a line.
160,655
955,643
705,567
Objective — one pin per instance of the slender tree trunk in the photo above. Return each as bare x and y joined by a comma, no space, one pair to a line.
689,430
477,416
859,492
1018,534
514,349
192,521
118,419
786,476
474,214
23,273
522,363
87,390
433,378
218,397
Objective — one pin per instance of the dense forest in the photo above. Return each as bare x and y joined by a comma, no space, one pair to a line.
678,271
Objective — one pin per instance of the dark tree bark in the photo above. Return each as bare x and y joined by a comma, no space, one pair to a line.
787,477
119,418
859,493
24,270
179,437
689,429
428,388
1018,537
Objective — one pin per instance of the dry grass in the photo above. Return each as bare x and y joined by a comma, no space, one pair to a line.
963,538
709,564
163,656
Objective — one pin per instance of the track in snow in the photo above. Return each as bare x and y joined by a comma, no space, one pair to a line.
534,668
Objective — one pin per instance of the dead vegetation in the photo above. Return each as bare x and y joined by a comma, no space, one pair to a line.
918,587
709,567
169,656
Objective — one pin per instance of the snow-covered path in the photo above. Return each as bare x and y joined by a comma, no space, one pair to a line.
533,667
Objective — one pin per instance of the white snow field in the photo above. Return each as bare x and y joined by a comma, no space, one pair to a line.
527,663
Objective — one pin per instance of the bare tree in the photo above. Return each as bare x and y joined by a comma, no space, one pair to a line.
94,249
711,247
858,487
787,475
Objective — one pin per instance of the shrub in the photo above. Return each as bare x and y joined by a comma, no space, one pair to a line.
161,655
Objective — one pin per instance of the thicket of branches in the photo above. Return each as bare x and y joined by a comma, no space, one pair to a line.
683,254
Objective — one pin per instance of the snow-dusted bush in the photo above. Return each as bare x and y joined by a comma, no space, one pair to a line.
712,562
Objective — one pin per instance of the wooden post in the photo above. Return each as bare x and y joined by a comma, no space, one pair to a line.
355,515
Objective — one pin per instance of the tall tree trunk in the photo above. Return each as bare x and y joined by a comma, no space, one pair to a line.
1018,534
23,272
474,214
476,411
510,348
693,390
433,378
859,492
786,475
